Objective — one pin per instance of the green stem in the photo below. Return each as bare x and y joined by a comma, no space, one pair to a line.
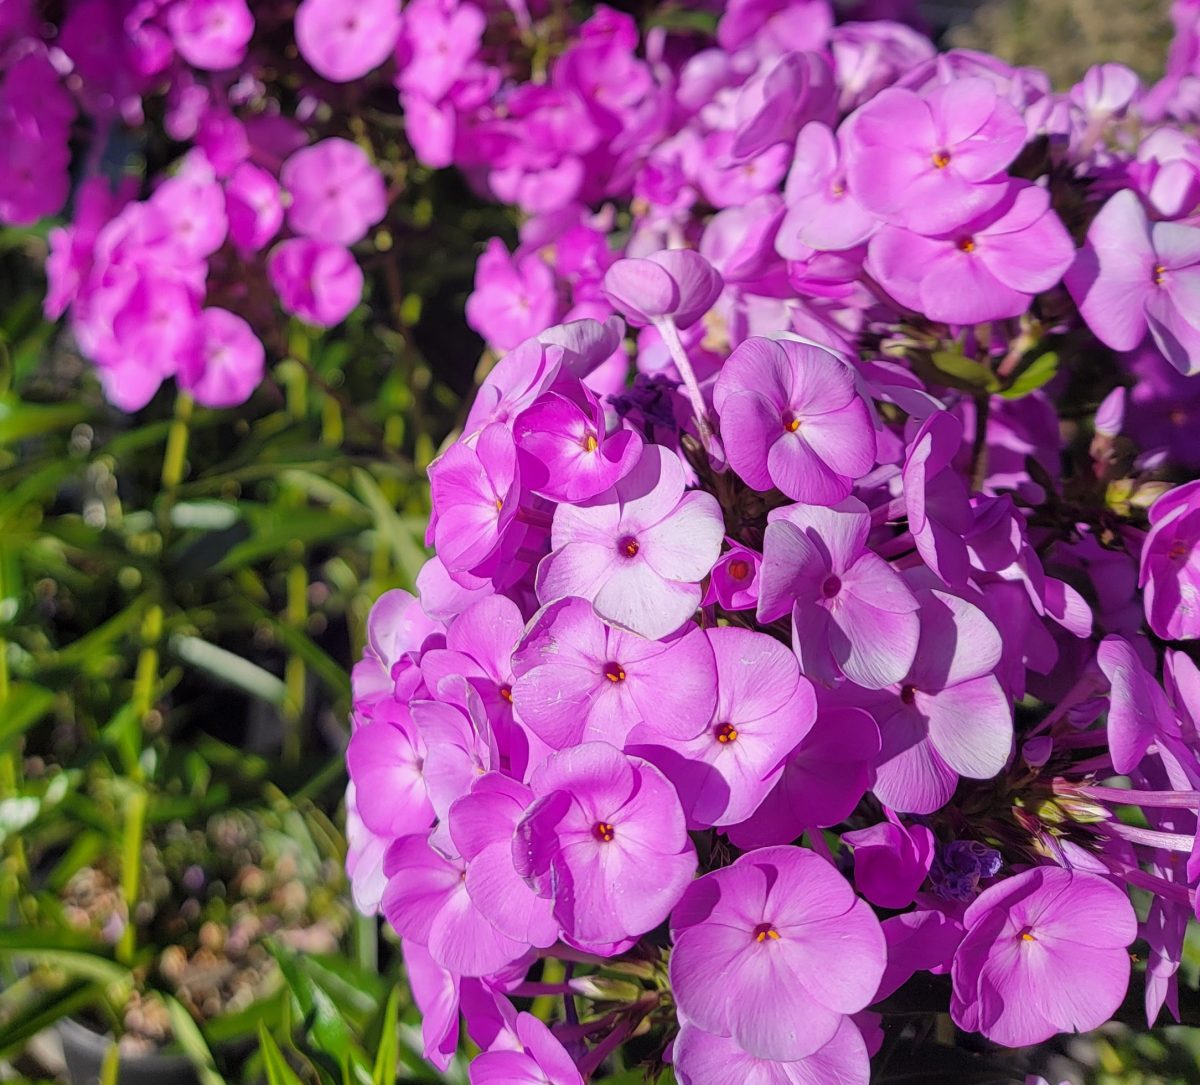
174,459
131,871
294,674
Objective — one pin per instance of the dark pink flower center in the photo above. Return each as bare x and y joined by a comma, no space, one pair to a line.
726,733
1027,935
831,587
908,694
940,158
604,832
739,569
506,693
764,931
790,422
614,672
628,546
1160,275
966,244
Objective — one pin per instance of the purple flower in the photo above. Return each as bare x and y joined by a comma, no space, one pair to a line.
336,194
1131,277
675,283
639,550
958,868
925,162
949,716
734,580
1030,939
427,902
318,282
1170,566
254,207
385,759
580,680
514,296
565,452
822,782
852,613
936,499
606,838
438,39
703,1058
345,43
792,418
891,860
542,1060
763,710
774,951
987,268
229,364
211,34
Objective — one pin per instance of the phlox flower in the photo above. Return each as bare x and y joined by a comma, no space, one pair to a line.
337,195
852,613
319,282
254,207
605,837
343,42
792,418
542,1060
987,268
774,951
935,498
211,34
679,284
931,162
1132,277
385,759
365,851
1170,564
764,708
398,631
733,583
438,38
229,364
514,296
891,860
639,550
581,680
1044,952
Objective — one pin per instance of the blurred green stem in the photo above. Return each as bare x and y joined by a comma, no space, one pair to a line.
294,674
174,459
131,870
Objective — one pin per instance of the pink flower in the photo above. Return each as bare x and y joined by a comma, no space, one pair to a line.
343,42
514,297
252,202
542,1060
1131,277
676,283
639,550
1170,567
988,268
792,418
228,366
438,40
336,194
211,34
925,163
317,282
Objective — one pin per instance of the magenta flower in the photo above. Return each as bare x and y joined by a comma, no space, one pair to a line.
891,860
925,162
734,580
774,951
565,452
676,283
475,493
1138,707
317,282
703,1058
386,759
365,851
344,42
606,838
1170,566
852,613
580,680
936,499
1029,940
792,418
482,827
514,296
988,268
823,780
949,716
211,34
254,207
639,550
542,1060
821,213
438,39
228,366
763,710
337,195
1132,277
426,901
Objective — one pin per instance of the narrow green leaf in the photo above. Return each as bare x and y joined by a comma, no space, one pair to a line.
955,369
85,966
1038,373
229,668
191,1040
387,1058
19,420
276,1066
26,704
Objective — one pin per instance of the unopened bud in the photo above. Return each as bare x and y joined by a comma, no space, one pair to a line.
605,989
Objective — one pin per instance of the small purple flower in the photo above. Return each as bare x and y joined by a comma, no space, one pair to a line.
345,44
930,163
891,860
774,951
959,867
639,550
319,282
1170,567
580,680
734,580
385,759
1030,939
606,838
792,418
852,613
1131,277
542,1060
764,708
337,195
936,499
675,283
514,296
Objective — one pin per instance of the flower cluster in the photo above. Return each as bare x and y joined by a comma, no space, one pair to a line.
804,565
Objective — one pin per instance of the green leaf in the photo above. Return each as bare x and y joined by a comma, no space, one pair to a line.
1038,373
19,420
41,1011
191,1040
276,1066
26,704
956,370
273,531
409,554
84,966
205,515
229,668
387,1058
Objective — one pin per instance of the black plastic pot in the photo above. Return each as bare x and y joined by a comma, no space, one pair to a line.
84,1051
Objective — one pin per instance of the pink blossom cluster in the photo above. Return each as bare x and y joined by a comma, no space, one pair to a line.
806,570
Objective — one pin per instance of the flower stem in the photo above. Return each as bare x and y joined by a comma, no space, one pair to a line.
670,336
